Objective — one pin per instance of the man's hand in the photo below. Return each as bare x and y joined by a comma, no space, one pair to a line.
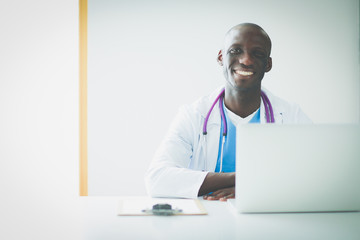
218,185
222,194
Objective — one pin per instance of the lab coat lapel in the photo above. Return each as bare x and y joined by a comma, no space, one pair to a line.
213,129
277,108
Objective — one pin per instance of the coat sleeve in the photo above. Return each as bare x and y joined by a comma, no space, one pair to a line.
288,112
169,174
296,115
301,117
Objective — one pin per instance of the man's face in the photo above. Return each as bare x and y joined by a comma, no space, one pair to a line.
245,57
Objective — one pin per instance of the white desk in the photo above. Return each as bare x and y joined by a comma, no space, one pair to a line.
222,222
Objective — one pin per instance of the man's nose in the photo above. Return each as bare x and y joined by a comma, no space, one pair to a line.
246,59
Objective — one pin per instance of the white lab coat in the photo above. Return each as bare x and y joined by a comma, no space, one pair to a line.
186,156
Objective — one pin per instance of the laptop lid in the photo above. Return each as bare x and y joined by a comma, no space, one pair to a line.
297,168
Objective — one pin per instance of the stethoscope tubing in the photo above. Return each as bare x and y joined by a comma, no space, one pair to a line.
210,110
269,114
268,108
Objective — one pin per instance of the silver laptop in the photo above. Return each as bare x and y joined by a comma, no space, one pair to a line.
297,168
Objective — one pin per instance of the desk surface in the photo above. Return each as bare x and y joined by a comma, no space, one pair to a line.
222,222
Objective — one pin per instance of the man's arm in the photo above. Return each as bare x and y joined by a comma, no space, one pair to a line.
220,185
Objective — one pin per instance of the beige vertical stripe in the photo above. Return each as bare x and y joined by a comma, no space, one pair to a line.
83,97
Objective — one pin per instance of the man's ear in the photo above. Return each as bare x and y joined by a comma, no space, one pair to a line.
220,58
269,64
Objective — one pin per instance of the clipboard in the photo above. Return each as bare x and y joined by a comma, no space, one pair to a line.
135,206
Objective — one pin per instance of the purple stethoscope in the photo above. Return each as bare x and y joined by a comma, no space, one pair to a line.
268,113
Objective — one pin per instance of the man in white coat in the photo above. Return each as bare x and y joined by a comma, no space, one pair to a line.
187,162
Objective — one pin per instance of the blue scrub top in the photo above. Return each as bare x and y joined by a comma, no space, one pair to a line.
229,150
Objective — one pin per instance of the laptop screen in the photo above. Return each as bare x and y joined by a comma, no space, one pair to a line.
297,168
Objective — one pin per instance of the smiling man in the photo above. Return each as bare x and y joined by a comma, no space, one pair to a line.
245,59
197,157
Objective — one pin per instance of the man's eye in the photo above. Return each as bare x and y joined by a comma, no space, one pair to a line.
235,51
260,54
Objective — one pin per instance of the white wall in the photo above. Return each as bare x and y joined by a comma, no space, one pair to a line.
39,120
146,58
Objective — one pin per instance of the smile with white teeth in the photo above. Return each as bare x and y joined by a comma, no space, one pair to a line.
244,73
